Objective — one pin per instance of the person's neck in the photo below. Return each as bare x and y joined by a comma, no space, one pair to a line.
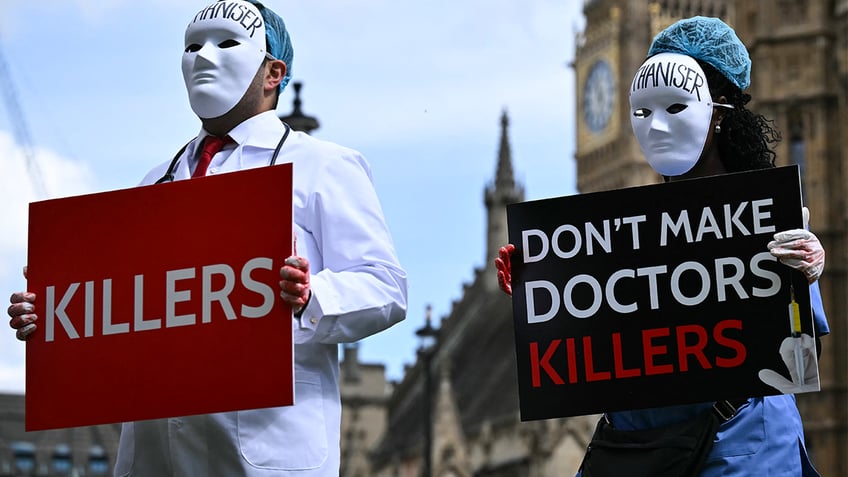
222,125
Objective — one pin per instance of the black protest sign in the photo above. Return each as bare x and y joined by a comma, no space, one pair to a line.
656,295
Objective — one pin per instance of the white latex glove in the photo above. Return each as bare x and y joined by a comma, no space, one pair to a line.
799,249
787,352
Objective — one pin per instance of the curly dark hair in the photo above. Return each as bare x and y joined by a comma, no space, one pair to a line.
745,140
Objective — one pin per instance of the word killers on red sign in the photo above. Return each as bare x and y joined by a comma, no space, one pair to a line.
559,360
217,282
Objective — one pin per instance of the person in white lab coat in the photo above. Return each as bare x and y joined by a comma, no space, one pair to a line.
343,283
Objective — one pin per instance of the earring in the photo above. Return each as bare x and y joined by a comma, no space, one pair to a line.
717,128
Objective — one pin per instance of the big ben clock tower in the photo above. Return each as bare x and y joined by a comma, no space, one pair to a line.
613,46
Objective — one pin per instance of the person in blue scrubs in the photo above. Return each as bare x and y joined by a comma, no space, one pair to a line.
714,133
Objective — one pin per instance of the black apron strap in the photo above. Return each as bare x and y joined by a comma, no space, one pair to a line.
725,410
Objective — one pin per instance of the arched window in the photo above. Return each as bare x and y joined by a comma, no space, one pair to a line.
62,460
98,461
23,454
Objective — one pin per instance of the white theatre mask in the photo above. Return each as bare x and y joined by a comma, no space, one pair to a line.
224,47
670,112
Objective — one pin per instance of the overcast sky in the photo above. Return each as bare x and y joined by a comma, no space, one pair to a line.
417,87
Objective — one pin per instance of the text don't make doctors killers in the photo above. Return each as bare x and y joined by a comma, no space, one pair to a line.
650,328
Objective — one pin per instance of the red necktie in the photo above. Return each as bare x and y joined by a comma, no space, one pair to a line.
211,146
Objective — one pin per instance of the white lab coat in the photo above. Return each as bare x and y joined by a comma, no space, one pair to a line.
358,289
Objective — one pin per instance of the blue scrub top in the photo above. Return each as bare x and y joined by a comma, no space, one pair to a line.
819,318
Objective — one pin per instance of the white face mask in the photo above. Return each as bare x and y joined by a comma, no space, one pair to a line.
225,45
670,112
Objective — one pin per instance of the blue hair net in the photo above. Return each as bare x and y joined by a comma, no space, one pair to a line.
709,40
279,43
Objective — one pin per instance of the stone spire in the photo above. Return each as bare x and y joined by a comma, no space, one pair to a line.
504,177
500,192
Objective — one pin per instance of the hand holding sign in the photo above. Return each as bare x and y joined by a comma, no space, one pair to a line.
504,266
801,250
788,350
22,313
294,286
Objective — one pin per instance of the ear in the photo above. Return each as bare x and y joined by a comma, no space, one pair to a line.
275,71
718,116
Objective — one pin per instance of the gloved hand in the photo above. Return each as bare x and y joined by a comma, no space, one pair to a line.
22,313
801,250
502,263
787,352
294,283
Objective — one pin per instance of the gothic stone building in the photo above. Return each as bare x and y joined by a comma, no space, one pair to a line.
799,51
475,425
80,451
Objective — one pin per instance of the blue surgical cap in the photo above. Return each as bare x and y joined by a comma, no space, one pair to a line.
711,41
279,43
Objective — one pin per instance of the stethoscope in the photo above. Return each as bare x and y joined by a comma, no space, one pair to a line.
169,174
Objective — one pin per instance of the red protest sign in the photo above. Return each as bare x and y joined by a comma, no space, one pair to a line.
160,301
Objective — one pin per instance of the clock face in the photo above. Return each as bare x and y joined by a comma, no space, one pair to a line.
598,96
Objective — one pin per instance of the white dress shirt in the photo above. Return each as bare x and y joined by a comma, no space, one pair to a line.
358,289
